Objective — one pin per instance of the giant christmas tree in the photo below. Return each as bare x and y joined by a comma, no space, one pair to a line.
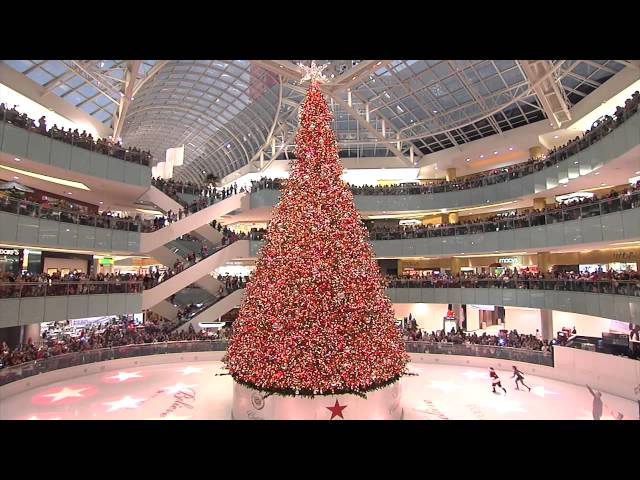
316,319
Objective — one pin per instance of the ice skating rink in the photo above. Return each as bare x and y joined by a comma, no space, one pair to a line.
198,391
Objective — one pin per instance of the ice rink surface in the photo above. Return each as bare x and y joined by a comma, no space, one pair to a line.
200,390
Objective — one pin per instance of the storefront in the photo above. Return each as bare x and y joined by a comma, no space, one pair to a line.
11,260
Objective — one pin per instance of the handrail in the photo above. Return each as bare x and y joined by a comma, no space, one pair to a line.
111,150
630,288
531,219
24,207
483,179
35,367
80,287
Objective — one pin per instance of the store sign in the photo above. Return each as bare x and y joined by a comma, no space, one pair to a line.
9,252
508,260
106,261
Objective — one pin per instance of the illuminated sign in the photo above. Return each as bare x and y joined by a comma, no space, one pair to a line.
106,261
508,260
9,252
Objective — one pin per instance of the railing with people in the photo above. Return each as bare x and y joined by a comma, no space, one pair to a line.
532,219
55,289
23,207
599,130
36,367
607,286
504,353
75,138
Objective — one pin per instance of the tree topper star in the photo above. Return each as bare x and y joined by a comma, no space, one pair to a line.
314,72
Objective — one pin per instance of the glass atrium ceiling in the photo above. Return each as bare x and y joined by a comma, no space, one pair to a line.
226,113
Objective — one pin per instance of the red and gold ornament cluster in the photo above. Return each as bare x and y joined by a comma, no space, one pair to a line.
316,319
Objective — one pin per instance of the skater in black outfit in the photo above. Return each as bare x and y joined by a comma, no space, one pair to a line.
519,378
495,380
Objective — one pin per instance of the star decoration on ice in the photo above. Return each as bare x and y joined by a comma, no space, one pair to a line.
313,73
122,376
189,370
124,402
541,392
472,374
66,393
336,410
178,387
502,405
445,386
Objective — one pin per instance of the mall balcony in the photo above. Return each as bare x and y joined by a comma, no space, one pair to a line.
594,151
608,220
48,153
29,303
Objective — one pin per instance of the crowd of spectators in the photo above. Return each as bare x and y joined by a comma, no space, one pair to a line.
74,137
459,337
622,283
599,129
73,283
115,333
572,210
207,194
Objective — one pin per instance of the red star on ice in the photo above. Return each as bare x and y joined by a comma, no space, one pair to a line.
336,410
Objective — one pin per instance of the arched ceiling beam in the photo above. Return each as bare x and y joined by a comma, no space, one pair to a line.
549,93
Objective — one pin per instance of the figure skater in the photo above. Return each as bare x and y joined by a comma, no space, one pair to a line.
495,380
597,403
519,378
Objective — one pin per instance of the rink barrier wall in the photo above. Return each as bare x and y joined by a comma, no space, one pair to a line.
607,373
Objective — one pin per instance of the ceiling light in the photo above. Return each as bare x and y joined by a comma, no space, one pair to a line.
556,136
16,178
17,160
228,145
602,184
332,75
638,172
101,203
481,156
353,78
510,148
47,178
69,193
435,111
564,184
468,159
598,173
495,153
379,63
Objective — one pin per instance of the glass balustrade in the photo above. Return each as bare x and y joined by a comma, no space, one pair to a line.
28,369
55,289
133,155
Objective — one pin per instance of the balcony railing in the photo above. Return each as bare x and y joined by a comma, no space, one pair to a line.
28,369
56,289
615,287
112,150
533,219
504,353
35,210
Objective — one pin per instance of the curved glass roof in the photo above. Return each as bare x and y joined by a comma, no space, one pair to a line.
226,112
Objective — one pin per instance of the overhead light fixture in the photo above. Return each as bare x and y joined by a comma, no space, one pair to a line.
17,160
467,160
69,193
576,162
47,178
16,178
638,172
495,153
603,184
435,111
510,149
481,156
598,173
556,136
101,203
379,63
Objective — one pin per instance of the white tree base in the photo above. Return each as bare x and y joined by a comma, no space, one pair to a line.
382,404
